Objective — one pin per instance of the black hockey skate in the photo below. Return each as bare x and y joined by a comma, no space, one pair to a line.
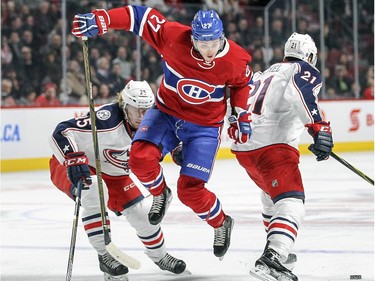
112,269
159,206
222,237
171,264
269,268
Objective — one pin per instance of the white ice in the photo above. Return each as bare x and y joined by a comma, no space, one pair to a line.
335,242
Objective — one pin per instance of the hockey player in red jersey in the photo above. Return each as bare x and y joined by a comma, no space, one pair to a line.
283,102
74,159
199,64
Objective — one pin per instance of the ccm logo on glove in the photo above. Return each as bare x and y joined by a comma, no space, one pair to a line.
76,161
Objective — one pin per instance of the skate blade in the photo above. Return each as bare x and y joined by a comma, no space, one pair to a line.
186,272
262,273
108,277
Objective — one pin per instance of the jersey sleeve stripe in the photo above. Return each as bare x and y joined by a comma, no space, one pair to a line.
131,12
143,22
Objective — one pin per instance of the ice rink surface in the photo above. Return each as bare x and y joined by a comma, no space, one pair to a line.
335,242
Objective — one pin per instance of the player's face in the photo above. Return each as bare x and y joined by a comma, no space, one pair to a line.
208,49
135,115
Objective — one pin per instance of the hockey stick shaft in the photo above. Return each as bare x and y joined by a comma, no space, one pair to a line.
110,247
73,238
98,167
351,167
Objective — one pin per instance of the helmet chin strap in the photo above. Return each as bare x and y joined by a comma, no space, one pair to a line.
127,118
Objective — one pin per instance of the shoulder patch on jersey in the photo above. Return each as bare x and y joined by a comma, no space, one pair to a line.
103,114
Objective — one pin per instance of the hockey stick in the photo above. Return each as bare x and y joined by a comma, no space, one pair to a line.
73,237
350,167
111,248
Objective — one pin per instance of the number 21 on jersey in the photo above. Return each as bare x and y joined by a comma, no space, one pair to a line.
263,87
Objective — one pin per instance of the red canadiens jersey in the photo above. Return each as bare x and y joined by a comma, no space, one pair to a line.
191,89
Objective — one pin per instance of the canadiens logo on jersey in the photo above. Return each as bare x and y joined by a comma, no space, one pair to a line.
118,158
194,91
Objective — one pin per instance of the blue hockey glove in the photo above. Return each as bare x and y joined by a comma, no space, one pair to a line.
177,155
91,24
323,142
239,127
77,168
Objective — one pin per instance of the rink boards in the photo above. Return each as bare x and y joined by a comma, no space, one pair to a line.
25,132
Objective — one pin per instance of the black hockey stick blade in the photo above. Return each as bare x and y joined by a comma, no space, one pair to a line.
73,238
351,167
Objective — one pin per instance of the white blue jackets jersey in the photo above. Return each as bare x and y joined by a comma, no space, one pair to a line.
283,100
114,138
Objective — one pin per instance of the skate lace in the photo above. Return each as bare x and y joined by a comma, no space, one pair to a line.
157,204
110,261
220,235
168,262
275,257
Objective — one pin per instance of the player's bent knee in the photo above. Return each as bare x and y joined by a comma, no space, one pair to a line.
189,188
143,152
291,208
137,216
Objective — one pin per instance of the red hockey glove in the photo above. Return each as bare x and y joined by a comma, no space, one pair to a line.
239,127
323,142
77,168
91,24
177,155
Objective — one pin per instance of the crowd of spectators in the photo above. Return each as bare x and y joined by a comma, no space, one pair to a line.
31,47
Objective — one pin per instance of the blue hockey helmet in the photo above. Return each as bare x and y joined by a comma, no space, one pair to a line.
207,26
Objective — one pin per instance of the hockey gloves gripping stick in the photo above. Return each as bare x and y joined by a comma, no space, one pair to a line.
323,142
91,24
239,127
77,169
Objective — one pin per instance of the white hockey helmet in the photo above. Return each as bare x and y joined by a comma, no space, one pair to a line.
137,94
301,46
